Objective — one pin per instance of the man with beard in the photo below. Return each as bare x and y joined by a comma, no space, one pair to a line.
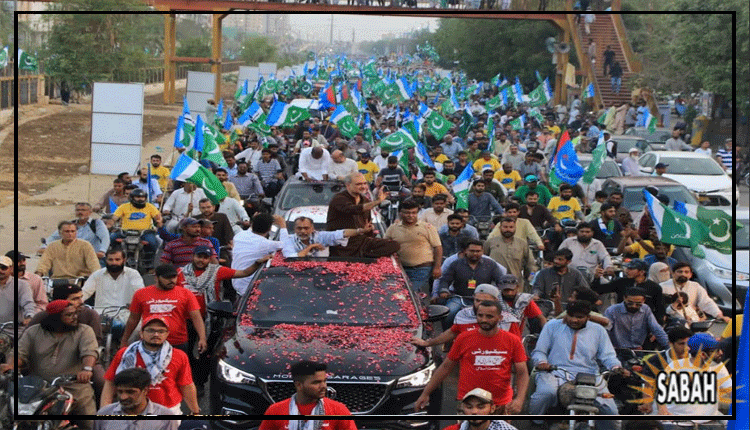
171,301
531,183
511,251
350,209
437,215
38,289
131,388
538,215
59,345
632,322
114,285
635,276
466,318
630,163
20,310
518,306
222,227
481,204
465,274
180,251
223,176
660,255
508,177
524,229
466,228
479,402
309,399
560,278
150,185
607,228
451,235
589,255
578,347
171,380
493,187
698,298
565,206
500,351
307,242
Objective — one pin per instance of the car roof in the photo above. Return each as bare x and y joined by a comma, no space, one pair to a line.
632,181
681,154
627,137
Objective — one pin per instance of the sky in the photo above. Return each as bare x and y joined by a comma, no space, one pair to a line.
367,28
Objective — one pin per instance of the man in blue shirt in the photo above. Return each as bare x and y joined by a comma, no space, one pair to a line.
576,346
481,204
632,321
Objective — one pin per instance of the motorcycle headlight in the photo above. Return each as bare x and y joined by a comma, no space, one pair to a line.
234,375
720,272
418,379
586,392
28,408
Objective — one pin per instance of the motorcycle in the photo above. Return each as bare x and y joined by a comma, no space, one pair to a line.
578,395
622,387
37,397
392,204
483,224
136,257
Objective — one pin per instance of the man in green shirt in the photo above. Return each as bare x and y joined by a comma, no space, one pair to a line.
531,182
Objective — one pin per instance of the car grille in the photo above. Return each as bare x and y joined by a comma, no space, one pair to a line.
359,398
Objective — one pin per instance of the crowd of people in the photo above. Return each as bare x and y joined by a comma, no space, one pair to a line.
545,244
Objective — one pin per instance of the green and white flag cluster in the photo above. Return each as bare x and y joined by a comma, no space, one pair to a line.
4,58
437,125
344,121
401,139
188,170
717,222
541,95
462,187
597,158
518,123
26,61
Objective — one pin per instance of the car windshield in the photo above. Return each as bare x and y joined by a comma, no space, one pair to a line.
742,235
633,197
319,226
309,195
624,145
342,293
607,170
692,166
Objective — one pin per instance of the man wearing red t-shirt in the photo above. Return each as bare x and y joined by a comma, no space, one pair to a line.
486,356
173,302
203,279
310,399
519,306
465,320
171,380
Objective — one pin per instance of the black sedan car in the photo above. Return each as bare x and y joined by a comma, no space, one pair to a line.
356,315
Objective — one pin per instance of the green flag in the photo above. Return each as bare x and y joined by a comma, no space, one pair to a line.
4,57
188,170
597,158
26,61
370,71
413,129
401,139
462,187
518,123
538,97
491,134
259,126
537,115
717,222
494,103
465,125
403,159
212,153
437,125
391,94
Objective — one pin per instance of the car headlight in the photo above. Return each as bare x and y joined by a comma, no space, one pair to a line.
718,271
28,408
739,276
418,379
234,375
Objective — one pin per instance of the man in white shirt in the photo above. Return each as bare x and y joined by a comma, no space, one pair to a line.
235,213
697,295
179,204
114,285
382,159
313,164
630,163
307,242
251,245
251,154
340,166
437,215
705,148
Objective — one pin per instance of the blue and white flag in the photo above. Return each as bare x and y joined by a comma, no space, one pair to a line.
229,122
282,114
251,114
567,167
518,91
186,111
588,92
404,88
198,143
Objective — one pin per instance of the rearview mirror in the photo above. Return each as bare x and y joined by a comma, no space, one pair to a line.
700,326
223,309
436,312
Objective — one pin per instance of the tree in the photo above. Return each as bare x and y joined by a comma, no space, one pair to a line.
257,49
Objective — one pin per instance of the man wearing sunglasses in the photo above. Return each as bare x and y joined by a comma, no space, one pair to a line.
632,321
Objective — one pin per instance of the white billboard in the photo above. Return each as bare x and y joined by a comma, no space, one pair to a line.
200,88
116,127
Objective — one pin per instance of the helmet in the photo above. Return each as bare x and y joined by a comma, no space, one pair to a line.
138,193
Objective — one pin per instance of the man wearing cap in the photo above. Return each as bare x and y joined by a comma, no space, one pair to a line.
59,345
636,272
171,380
479,402
171,301
632,322
131,387
366,166
531,183
510,250
38,290
578,347
630,163
705,356
660,169
180,251
203,279
487,357
518,307
22,310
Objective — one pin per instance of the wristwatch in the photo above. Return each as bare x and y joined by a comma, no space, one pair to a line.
88,368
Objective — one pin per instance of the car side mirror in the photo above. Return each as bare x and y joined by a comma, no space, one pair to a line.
223,309
436,312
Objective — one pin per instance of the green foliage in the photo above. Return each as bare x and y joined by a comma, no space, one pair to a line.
84,48
257,49
194,47
484,47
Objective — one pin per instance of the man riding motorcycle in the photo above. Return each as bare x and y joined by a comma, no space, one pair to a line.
138,215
